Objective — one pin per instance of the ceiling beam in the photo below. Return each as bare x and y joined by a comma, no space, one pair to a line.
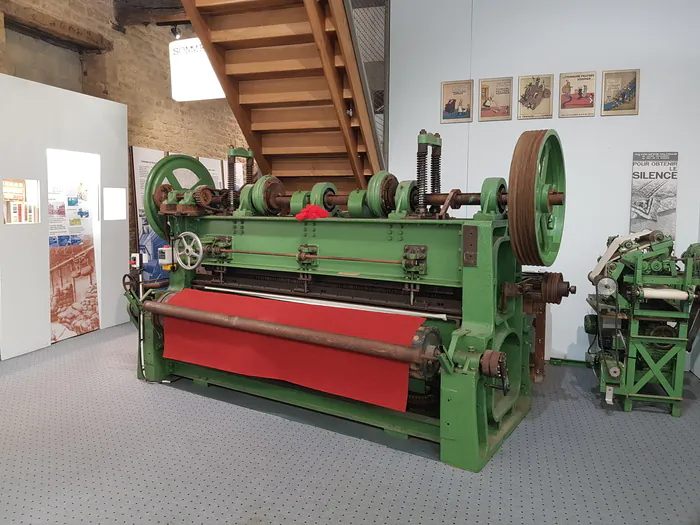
129,16
72,34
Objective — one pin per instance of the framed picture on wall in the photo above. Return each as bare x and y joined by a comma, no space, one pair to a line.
620,92
456,101
577,94
495,99
535,96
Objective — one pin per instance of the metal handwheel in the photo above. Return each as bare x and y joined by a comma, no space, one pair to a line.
188,250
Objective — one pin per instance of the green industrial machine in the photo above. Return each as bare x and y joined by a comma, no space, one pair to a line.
392,247
643,301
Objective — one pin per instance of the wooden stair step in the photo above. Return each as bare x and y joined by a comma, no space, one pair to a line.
279,92
285,167
268,62
236,6
344,184
306,118
263,28
311,143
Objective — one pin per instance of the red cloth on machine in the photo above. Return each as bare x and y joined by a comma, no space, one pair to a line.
357,376
311,211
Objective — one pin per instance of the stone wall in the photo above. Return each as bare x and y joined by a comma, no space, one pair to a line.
34,59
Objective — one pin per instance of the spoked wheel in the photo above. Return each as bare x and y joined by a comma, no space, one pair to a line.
188,250
537,174
174,172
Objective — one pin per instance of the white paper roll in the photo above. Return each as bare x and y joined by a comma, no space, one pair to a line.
664,293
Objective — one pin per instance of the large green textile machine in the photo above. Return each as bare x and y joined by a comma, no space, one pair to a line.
375,305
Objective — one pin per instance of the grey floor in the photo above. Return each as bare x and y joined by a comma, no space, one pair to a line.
82,441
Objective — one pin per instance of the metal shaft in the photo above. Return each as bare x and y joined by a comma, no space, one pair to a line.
406,354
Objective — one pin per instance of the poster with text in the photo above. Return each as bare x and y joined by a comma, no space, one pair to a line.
495,99
535,96
620,92
74,302
577,94
456,105
654,192
149,243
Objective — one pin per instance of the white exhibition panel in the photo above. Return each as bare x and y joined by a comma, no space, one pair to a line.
504,38
35,118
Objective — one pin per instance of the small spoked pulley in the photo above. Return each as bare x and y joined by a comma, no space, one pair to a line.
188,250
536,198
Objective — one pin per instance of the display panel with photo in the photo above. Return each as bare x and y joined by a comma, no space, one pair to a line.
620,92
535,96
456,101
495,99
577,94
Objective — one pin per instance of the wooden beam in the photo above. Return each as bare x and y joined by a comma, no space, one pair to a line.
337,8
3,54
42,22
335,83
229,85
140,15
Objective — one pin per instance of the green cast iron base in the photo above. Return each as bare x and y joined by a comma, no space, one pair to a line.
459,449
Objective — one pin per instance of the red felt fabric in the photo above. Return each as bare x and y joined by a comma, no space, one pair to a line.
311,211
364,378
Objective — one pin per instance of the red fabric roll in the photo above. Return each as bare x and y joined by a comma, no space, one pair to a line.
365,378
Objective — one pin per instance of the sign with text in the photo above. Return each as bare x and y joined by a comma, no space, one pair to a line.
654,190
191,75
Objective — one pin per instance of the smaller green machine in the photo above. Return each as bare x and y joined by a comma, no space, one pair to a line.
643,300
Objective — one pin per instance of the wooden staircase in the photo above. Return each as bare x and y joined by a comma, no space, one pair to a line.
289,72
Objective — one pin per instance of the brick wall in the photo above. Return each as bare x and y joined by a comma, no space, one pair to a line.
137,73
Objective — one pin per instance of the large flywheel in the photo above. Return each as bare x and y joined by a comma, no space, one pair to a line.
174,172
535,198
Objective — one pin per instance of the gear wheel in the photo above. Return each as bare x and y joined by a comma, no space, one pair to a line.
203,196
554,288
428,339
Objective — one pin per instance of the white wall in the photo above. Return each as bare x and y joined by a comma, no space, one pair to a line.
510,38
429,43
36,117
